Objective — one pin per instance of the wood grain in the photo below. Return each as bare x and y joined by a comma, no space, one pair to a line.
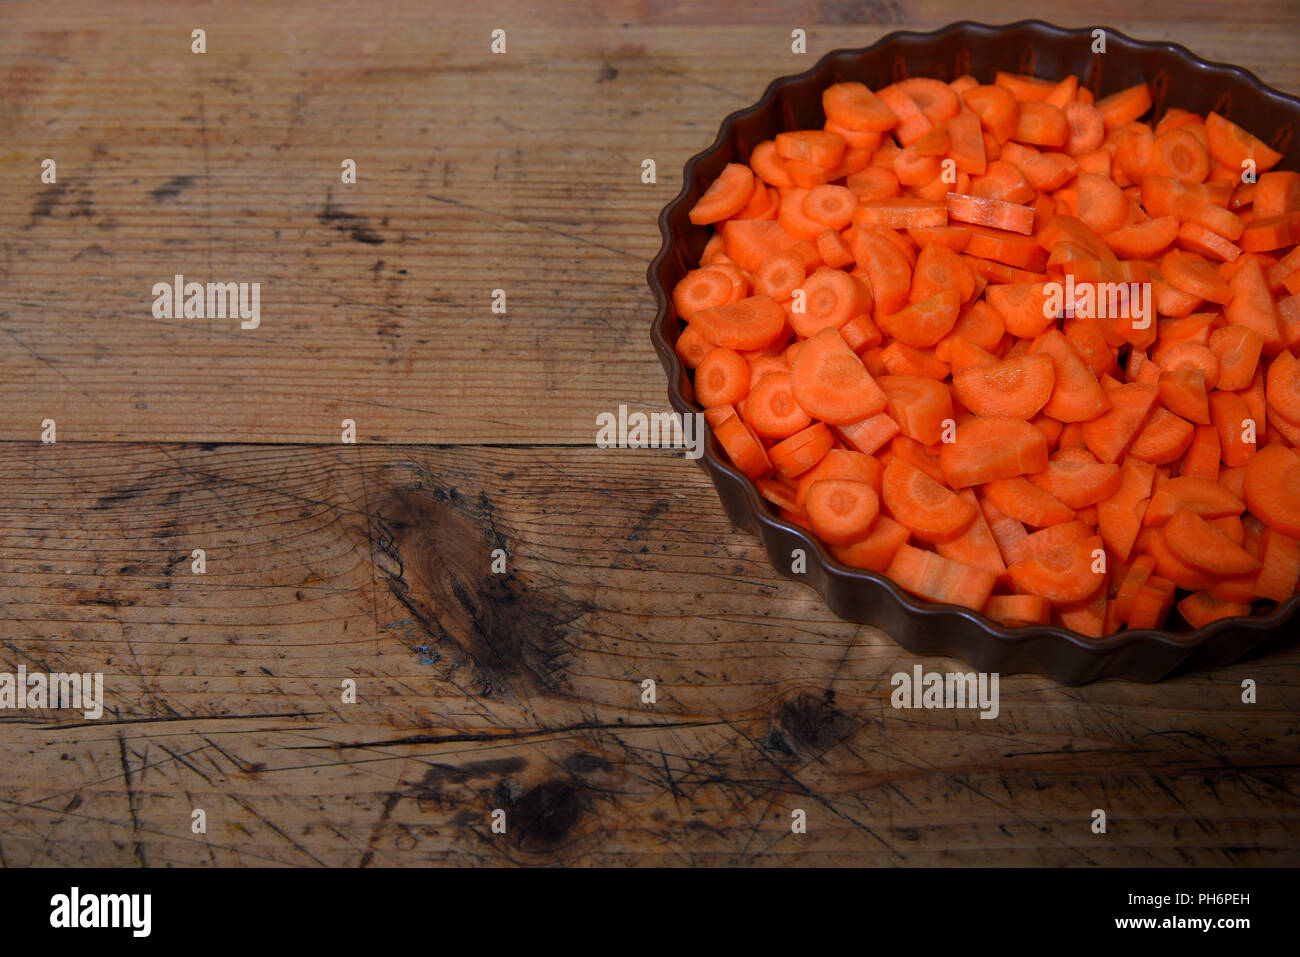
476,690
372,562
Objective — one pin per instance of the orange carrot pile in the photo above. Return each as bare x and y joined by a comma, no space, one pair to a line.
920,331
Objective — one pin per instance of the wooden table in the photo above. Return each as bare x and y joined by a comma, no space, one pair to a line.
329,562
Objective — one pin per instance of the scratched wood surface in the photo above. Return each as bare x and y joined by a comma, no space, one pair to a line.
370,562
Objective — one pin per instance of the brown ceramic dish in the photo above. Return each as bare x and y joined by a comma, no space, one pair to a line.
1178,79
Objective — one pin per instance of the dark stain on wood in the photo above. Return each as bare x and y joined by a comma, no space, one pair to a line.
172,188
546,814
439,568
813,722
358,227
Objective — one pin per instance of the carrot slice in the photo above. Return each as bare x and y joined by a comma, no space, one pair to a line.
940,579
1042,124
830,205
830,382
1109,435
726,195
722,378
771,409
1066,574
891,276
1203,497
919,405
748,324
841,511
976,546
871,434
840,464
1018,610
1279,570
1017,387
1232,146
1022,500
1198,543
1235,424
1023,307
1200,609
1163,438
742,447
1119,517
854,106
1076,396
1077,479
1152,603
801,451
831,298
932,512
987,448
923,323
1272,488
819,147
995,213
1125,106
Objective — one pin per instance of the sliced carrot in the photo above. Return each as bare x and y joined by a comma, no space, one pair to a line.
1279,571
900,212
1125,106
1017,387
1065,574
874,182
1012,249
840,464
701,289
722,378
726,195
1163,438
869,435
1004,182
1078,479
1022,500
1178,154
1076,394
1042,124
692,347
987,448
1109,435
841,511
748,324
923,323
1201,496
855,107
1272,488
830,205
779,274
920,405
801,451
1200,609
1237,426
833,250
1087,129
830,299
1199,544
742,447
1152,603
932,512
830,382
996,108
1023,307
771,409
891,276
1018,610
994,213
1183,392
1232,146
940,579
1270,232
1102,205
1143,240
750,241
